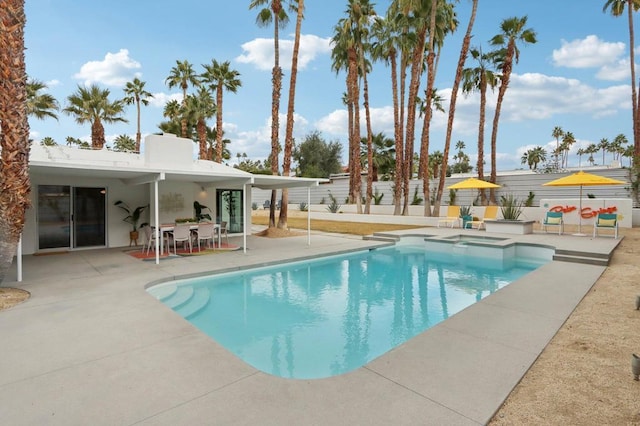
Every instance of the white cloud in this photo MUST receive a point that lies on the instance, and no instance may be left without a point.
(160, 99)
(115, 70)
(53, 83)
(260, 53)
(587, 53)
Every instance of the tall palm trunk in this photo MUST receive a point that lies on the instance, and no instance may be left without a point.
(138, 134)
(483, 108)
(15, 186)
(276, 82)
(354, 143)
(397, 134)
(466, 41)
(504, 83)
(370, 167)
(201, 129)
(414, 85)
(424, 145)
(97, 134)
(288, 139)
(634, 96)
(219, 132)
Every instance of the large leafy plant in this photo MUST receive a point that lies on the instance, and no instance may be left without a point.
(133, 215)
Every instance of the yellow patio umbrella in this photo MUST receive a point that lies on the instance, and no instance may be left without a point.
(583, 179)
(473, 183)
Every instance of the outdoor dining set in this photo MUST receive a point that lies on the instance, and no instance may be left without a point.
(186, 234)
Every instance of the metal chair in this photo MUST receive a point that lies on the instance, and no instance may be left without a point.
(554, 219)
(606, 221)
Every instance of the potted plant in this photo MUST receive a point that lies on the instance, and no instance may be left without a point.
(198, 209)
(465, 214)
(132, 218)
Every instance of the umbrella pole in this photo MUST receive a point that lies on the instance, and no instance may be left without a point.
(580, 212)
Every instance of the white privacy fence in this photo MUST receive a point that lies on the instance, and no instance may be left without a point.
(518, 183)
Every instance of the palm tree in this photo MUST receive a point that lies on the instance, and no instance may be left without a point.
(48, 141)
(604, 146)
(220, 76)
(92, 105)
(181, 76)
(581, 152)
(382, 158)
(273, 11)
(135, 93)
(446, 16)
(40, 105)
(557, 133)
(513, 31)
(387, 42)
(124, 143)
(617, 8)
(414, 17)
(14, 132)
(288, 138)
(200, 107)
(567, 140)
(534, 156)
(480, 78)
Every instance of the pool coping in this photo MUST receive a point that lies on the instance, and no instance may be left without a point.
(91, 339)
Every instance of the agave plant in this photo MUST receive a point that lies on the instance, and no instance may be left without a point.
(511, 207)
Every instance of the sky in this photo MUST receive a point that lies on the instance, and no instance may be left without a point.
(576, 76)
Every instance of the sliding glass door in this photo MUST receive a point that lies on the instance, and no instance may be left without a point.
(71, 217)
(229, 208)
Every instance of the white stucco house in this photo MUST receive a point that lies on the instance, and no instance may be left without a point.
(74, 191)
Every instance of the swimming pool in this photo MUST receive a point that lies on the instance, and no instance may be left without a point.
(328, 316)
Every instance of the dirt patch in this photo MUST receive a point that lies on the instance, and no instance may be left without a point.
(278, 233)
(10, 297)
(584, 375)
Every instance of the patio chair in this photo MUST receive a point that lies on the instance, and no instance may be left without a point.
(266, 204)
(224, 231)
(205, 232)
(606, 221)
(453, 216)
(149, 238)
(554, 219)
(490, 213)
(181, 234)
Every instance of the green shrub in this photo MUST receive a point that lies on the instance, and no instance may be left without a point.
(303, 207)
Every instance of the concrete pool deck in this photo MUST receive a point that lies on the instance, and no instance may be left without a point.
(92, 347)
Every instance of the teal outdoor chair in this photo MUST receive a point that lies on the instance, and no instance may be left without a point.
(606, 221)
(554, 219)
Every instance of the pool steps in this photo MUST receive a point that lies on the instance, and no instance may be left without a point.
(186, 301)
(179, 298)
(573, 256)
(195, 304)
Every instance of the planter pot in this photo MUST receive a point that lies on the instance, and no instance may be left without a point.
(502, 226)
(465, 220)
(133, 238)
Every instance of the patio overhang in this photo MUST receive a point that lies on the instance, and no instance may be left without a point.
(280, 182)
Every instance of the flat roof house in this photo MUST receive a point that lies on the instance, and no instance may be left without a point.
(74, 191)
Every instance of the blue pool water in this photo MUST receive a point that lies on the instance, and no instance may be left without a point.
(332, 315)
